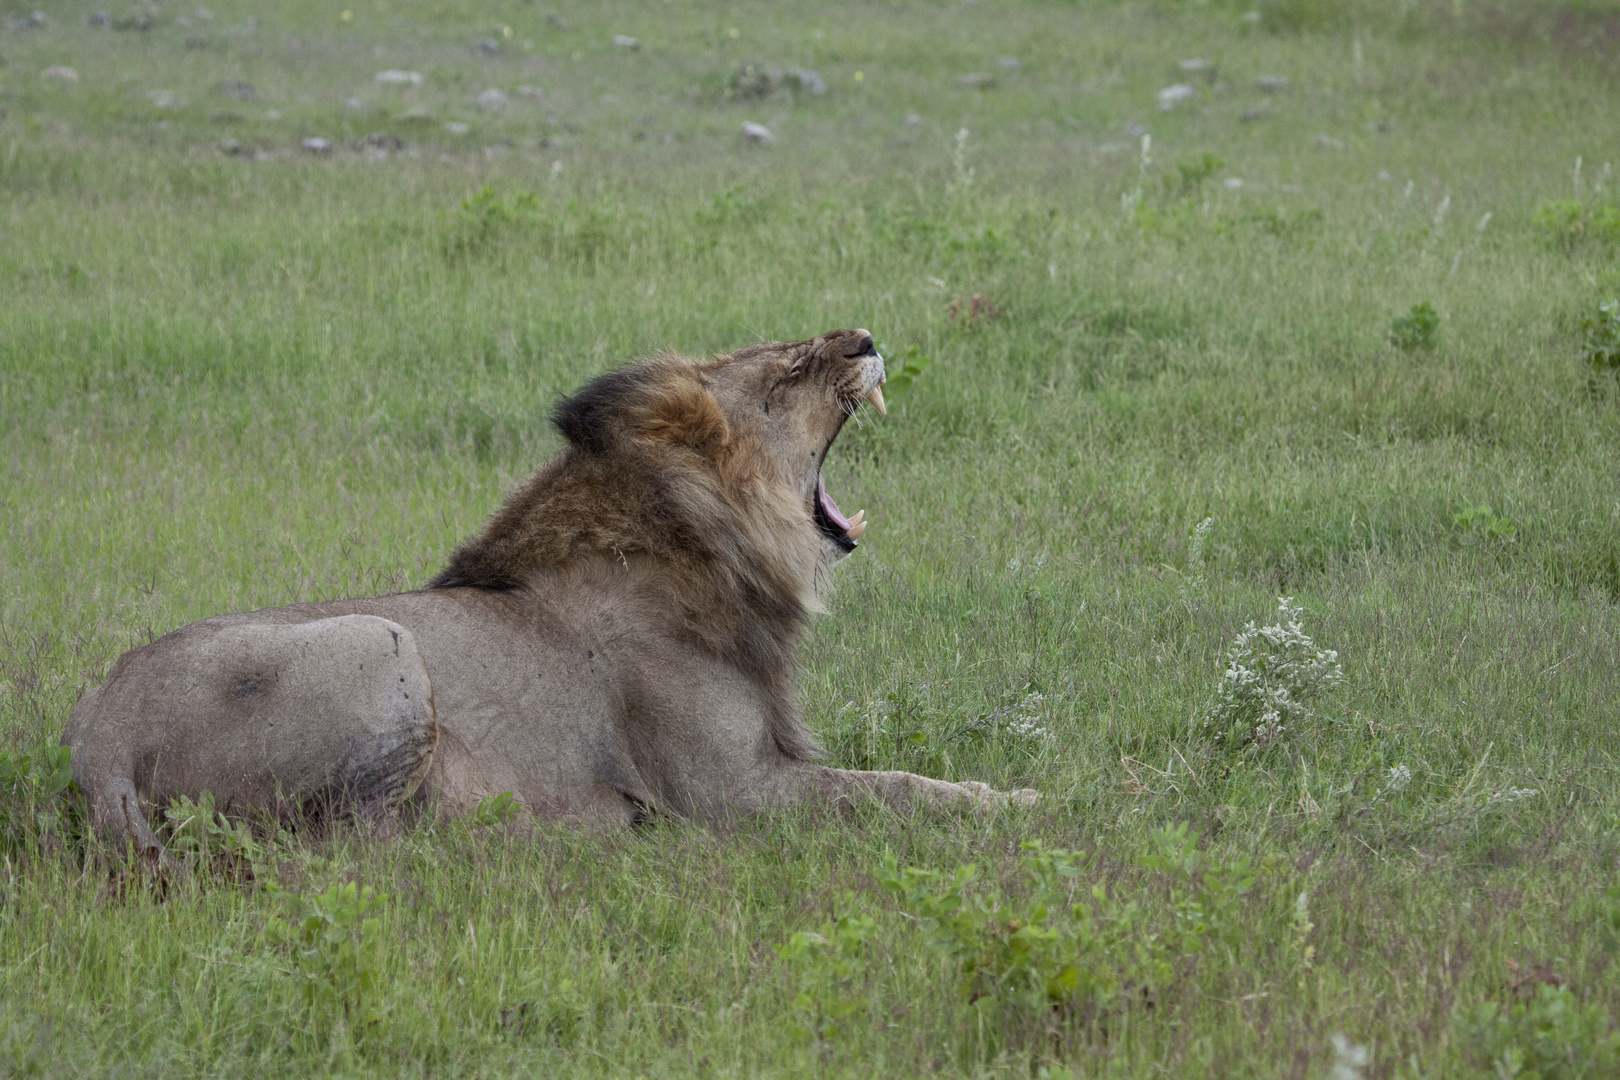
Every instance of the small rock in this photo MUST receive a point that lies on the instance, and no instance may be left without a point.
(100, 18)
(496, 151)
(531, 91)
(667, 138)
(756, 134)
(416, 114)
(379, 141)
(1205, 68)
(556, 20)
(457, 127)
(233, 148)
(808, 80)
(1385, 176)
(493, 100)
(395, 77)
(38, 18)
(488, 46)
(976, 80)
(1232, 183)
(197, 41)
(1271, 83)
(625, 41)
(1328, 142)
(1251, 16)
(204, 13)
(236, 88)
(1171, 96)
(57, 71)
(913, 118)
(316, 145)
(1008, 63)
(1135, 130)
(353, 104)
(272, 114)
(165, 99)
(1259, 112)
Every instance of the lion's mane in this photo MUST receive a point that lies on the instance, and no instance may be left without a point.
(655, 474)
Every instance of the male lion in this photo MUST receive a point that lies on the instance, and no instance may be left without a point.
(620, 640)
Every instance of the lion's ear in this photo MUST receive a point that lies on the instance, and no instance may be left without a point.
(656, 400)
(684, 413)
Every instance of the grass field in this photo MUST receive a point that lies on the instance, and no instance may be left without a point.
(236, 371)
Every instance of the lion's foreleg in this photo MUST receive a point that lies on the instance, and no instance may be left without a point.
(900, 790)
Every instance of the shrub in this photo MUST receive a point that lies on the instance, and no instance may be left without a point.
(35, 790)
(204, 839)
(829, 965)
(1601, 330)
(912, 366)
(1480, 525)
(1272, 675)
(1054, 952)
(1192, 172)
(486, 218)
(333, 938)
(1568, 222)
(1415, 330)
(499, 809)
(1549, 1037)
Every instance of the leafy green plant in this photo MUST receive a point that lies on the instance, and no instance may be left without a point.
(1481, 525)
(498, 809)
(333, 941)
(205, 839)
(1568, 222)
(1550, 1037)
(1193, 171)
(34, 793)
(912, 365)
(486, 217)
(1054, 951)
(1273, 673)
(1286, 224)
(829, 965)
(1601, 330)
(1416, 330)
(1609, 920)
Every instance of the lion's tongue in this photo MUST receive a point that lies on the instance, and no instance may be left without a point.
(829, 506)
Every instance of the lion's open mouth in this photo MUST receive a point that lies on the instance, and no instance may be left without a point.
(841, 530)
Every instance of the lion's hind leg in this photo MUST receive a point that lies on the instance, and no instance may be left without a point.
(335, 710)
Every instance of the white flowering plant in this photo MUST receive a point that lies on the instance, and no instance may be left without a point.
(1273, 674)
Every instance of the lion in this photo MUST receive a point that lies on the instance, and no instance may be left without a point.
(620, 641)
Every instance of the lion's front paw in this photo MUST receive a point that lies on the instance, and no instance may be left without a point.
(988, 798)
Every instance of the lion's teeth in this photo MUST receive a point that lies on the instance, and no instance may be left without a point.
(875, 396)
(857, 530)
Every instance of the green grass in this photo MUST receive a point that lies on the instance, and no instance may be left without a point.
(231, 380)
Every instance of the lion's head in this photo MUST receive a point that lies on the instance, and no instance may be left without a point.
(711, 465)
